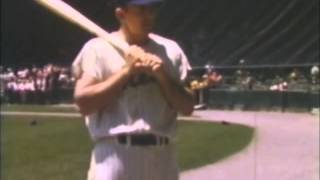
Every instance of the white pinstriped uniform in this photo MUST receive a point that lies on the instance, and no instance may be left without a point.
(140, 109)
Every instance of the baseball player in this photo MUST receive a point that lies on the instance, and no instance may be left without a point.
(130, 103)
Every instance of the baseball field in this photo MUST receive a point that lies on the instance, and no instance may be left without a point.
(58, 148)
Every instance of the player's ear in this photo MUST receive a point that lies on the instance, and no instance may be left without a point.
(119, 13)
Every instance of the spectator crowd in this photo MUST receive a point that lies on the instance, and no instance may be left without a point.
(35, 85)
(304, 79)
(52, 84)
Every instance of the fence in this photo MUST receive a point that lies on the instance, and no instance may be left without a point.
(255, 100)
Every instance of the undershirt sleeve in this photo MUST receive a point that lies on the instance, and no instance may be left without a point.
(182, 64)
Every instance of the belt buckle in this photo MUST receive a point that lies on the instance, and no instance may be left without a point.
(124, 139)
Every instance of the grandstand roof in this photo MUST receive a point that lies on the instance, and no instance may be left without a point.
(266, 32)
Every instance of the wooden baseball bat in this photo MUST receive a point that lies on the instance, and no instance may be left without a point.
(69, 13)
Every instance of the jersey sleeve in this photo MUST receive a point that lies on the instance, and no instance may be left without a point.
(87, 62)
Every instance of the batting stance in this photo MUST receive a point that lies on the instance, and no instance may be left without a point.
(130, 102)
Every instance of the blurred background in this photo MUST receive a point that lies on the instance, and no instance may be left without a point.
(257, 46)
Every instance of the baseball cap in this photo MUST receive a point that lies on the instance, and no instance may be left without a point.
(138, 2)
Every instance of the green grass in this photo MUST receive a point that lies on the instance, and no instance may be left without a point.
(54, 149)
(37, 108)
(201, 143)
(59, 148)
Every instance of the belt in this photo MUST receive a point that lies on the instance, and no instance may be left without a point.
(142, 139)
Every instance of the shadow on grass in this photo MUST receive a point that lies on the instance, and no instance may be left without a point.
(55, 148)
(201, 143)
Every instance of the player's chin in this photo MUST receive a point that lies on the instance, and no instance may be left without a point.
(147, 28)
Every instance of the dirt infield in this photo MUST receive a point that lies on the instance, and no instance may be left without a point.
(286, 148)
